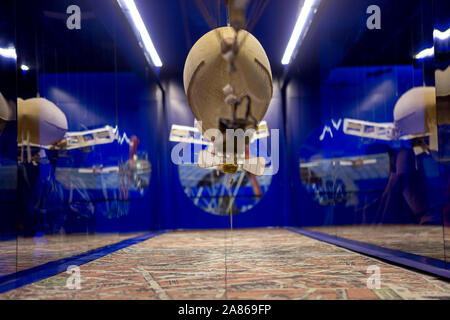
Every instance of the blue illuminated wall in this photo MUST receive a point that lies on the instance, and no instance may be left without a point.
(98, 99)
(90, 101)
(93, 100)
(8, 132)
(315, 131)
(178, 211)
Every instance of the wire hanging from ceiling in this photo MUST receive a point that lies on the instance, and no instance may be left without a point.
(206, 14)
(213, 16)
(259, 12)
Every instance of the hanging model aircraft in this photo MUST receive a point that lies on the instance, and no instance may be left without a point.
(414, 118)
(43, 126)
(228, 85)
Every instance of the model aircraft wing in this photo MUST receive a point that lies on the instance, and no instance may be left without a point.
(79, 139)
(90, 138)
(255, 165)
(366, 129)
(187, 134)
(262, 131)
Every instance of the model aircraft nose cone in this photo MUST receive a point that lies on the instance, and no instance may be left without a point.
(206, 74)
(41, 122)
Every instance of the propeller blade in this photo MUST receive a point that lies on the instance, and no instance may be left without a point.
(207, 160)
(255, 166)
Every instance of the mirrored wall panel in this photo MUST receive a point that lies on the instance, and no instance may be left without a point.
(372, 160)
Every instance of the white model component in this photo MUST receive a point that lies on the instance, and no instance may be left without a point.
(214, 157)
(357, 162)
(206, 75)
(90, 138)
(262, 131)
(99, 170)
(81, 139)
(7, 112)
(208, 160)
(414, 116)
(366, 129)
(40, 122)
(255, 166)
(187, 134)
(415, 113)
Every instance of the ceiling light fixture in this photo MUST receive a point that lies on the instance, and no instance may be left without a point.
(426, 53)
(9, 53)
(132, 13)
(441, 35)
(301, 27)
(429, 52)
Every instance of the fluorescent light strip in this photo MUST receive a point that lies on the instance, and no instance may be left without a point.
(299, 29)
(429, 52)
(442, 35)
(132, 12)
(9, 53)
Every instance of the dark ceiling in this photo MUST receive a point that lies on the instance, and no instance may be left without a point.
(175, 25)
(338, 34)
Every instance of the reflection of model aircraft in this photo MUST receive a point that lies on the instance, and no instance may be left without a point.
(334, 180)
(414, 117)
(211, 190)
(7, 112)
(228, 84)
(210, 158)
(414, 120)
(100, 177)
(42, 125)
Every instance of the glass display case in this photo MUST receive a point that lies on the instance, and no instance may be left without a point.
(359, 121)
(76, 151)
(372, 159)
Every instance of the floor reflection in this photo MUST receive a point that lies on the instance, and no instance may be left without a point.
(426, 241)
(36, 251)
(8, 254)
(239, 264)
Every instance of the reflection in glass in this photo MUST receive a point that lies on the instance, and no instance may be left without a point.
(375, 160)
(8, 141)
(219, 193)
(80, 170)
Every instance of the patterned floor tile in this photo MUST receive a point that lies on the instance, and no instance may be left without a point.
(240, 264)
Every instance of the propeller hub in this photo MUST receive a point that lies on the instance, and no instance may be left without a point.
(229, 168)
